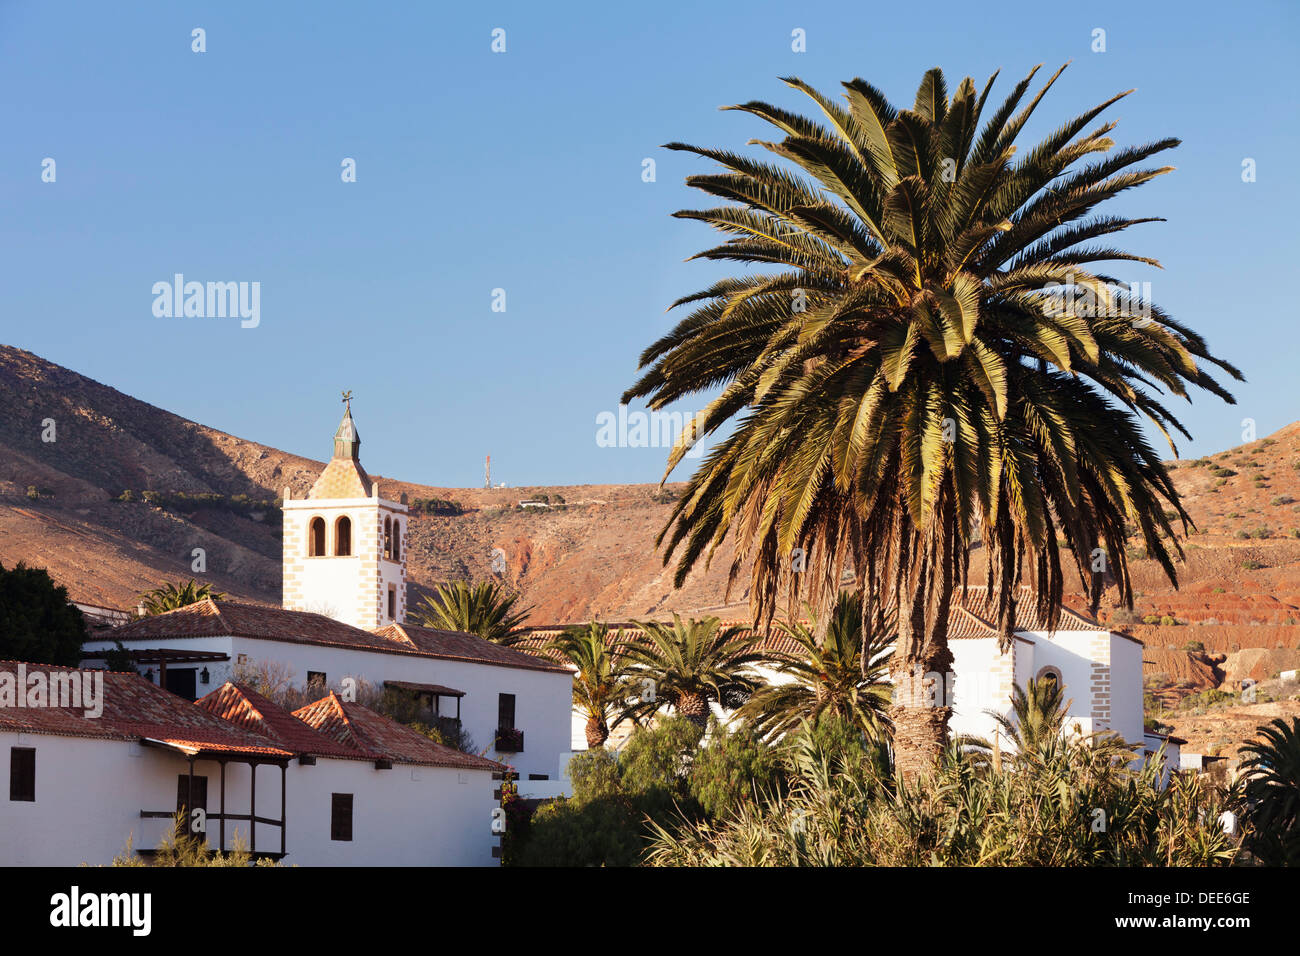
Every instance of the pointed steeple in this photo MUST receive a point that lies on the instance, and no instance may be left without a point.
(347, 443)
(344, 477)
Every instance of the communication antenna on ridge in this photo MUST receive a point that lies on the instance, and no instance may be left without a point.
(487, 473)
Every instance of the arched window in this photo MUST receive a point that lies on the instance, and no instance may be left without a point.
(397, 540)
(388, 538)
(316, 538)
(1050, 675)
(343, 536)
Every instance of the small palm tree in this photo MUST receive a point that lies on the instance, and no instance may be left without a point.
(601, 684)
(171, 596)
(1273, 792)
(835, 676)
(486, 609)
(1037, 717)
(690, 664)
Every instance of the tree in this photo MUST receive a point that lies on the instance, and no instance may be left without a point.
(600, 686)
(689, 664)
(932, 364)
(828, 677)
(171, 596)
(1272, 766)
(486, 609)
(37, 622)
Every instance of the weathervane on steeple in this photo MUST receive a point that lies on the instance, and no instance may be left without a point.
(347, 443)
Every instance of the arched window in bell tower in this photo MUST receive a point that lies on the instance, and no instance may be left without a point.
(343, 536)
(397, 540)
(388, 538)
(316, 538)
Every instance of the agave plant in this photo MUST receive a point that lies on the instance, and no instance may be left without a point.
(931, 354)
(169, 596)
(688, 664)
(486, 609)
(831, 676)
(1272, 766)
(600, 685)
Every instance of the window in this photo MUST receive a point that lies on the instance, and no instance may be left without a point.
(341, 816)
(397, 541)
(505, 711)
(1050, 675)
(316, 538)
(316, 677)
(22, 774)
(343, 536)
(388, 538)
(539, 776)
(392, 602)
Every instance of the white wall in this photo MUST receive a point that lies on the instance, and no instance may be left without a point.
(543, 699)
(89, 794)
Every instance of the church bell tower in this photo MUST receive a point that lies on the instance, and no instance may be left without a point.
(344, 544)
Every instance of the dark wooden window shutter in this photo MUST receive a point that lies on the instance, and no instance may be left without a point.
(22, 774)
(341, 816)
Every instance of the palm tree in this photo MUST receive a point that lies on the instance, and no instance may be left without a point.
(828, 676)
(486, 609)
(1273, 792)
(600, 685)
(1037, 717)
(170, 596)
(688, 665)
(929, 362)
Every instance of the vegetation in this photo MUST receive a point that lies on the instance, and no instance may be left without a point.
(687, 665)
(170, 596)
(486, 609)
(601, 685)
(437, 506)
(828, 677)
(179, 848)
(38, 623)
(1273, 792)
(931, 360)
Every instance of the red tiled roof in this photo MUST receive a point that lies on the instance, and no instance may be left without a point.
(453, 645)
(363, 731)
(210, 618)
(247, 708)
(135, 709)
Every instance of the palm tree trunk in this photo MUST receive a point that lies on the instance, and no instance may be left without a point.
(695, 708)
(922, 672)
(597, 732)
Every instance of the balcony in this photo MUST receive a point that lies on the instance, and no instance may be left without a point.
(510, 740)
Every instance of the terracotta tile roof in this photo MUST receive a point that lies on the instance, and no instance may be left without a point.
(342, 478)
(363, 731)
(134, 709)
(453, 645)
(976, 599)
(210, 618)
(246, 708)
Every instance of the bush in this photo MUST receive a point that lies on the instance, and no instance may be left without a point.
(1193, 647)
(1251, 566)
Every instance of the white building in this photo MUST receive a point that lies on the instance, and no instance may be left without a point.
(344, 616)
(333, 784)
(1100, 670)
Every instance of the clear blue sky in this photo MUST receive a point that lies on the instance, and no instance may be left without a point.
(522, 171)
